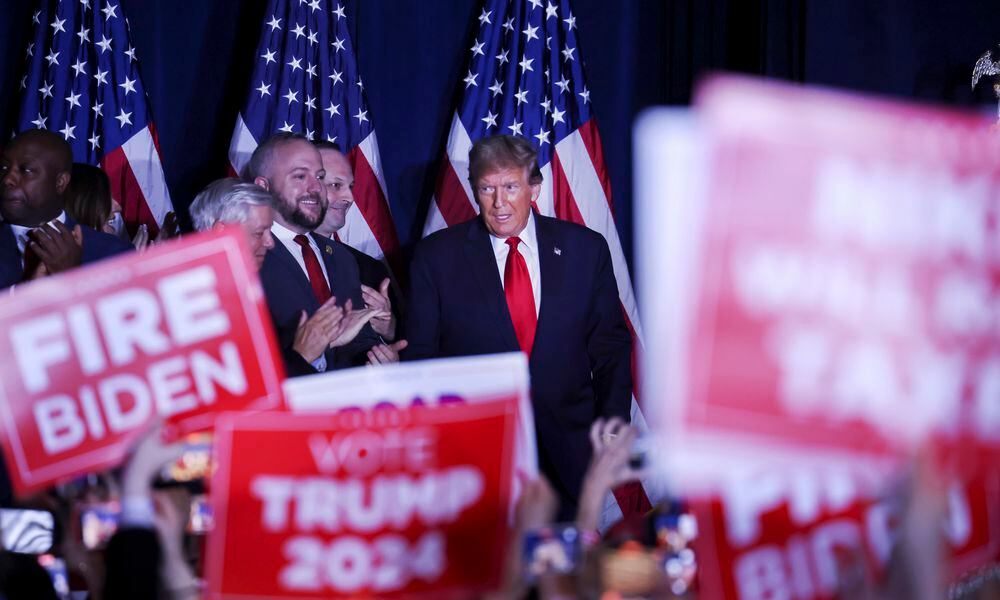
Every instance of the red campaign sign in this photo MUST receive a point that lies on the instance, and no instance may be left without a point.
(441, 381)
(395, 503)
(828, 270)
(822, 295)
(765, 540)
(92, 356)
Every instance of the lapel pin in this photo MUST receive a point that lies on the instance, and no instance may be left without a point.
(557, 251)
(329, 250)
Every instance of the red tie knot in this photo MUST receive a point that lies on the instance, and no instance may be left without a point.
(301, 240)
(513, 242)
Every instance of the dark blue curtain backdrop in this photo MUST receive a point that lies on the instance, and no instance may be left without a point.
(195, 57)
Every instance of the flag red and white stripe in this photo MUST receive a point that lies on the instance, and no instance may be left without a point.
(97, 103)
(137, 180)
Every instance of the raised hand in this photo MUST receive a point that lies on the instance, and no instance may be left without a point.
(169, 228)
(148, 457)
(379, 299)
(315, 334)
(59, 248)
(384, 354)
(609, 467)
(141, 239)
(39, 272)
(354, 320)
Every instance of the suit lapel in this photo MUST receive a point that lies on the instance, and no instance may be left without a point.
(552, 270)
(326, 257)
(288, 262)
(10, 257)
(483, 265)
(325, 246)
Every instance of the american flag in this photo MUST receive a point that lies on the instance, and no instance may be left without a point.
(525, 77)
(83, 82)
(306, 80)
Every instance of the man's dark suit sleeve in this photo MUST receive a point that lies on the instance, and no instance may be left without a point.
(609, 343)
(133, 565)
(98, 245)
(295, 365)
(423, 311)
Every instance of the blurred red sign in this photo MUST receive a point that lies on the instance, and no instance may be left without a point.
(821, 279)
(829, 278)
(388, 503)
(787, 535)
(437, 382)
(92, 356)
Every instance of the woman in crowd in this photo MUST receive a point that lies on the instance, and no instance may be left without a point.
(89, 201)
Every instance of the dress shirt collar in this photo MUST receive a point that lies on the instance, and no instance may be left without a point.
(21, 232)
(285, 234)
(529, 238)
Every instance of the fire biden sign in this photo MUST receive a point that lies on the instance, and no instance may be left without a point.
(93, 356)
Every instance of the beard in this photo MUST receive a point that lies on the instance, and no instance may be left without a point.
(291, 212)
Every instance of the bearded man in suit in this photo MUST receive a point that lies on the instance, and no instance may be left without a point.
(305, 274)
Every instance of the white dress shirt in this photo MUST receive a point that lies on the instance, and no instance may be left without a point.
(287, 237)
(21, 233)
(529, 250)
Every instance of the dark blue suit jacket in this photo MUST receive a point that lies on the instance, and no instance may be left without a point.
(581, 361)
(288, 293)
(97, 245)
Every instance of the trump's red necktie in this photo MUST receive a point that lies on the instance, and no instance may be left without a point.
(316, 279)
(520, 298)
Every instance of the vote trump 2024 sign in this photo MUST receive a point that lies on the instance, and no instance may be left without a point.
(397, 502)
(436, 382)
(91, 357)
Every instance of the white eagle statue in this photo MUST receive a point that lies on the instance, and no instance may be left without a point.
(985, 67)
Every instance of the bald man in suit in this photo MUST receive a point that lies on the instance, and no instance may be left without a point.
(305, 274)
(37, 237)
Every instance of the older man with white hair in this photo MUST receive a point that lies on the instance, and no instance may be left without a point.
(232, 201)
